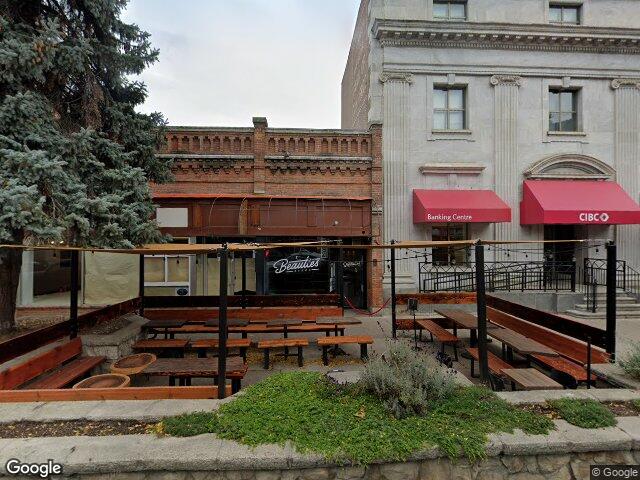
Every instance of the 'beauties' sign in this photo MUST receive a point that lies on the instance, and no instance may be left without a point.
(306, 264)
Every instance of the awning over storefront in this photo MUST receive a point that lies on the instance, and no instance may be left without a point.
(575, 202)
(459, 206)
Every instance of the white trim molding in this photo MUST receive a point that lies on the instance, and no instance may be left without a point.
(570, 166)
(467, 168)
(625, 82)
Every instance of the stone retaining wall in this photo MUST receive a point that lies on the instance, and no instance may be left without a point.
(114, 345)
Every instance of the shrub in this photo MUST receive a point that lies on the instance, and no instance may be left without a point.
(584, 413)
(630, 362)
(407, 382)
(190, 424)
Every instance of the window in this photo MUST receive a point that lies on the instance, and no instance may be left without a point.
(167, 270)
(564, 14)
(450, 255)
(449, 108)
(563, 110)
(449, 10)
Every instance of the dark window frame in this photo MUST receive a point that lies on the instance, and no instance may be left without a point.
(448, 110)
(564, 7)
(453, 255)
(575, 109)
(449, 18)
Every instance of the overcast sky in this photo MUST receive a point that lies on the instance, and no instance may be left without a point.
(223, 62)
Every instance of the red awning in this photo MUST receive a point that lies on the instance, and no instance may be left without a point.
(459, 206)
(575, 202)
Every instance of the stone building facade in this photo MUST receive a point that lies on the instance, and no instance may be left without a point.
(507, 96)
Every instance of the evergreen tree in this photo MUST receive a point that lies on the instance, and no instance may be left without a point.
(75, 156)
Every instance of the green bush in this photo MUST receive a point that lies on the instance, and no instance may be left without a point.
(630, 362)
(407, 382)
(584, 413)
(309, 412)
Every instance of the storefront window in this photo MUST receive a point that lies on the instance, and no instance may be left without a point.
(453, 255)
(299, 270)
(167, 270)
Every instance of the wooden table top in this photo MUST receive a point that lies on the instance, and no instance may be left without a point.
(521, 343)
(202, 367)
(462, 318)
(282, 322)
(531, 379)
(165, 323)
(337, 321)
(231, 322)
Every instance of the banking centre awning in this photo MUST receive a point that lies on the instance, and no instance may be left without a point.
(574, 202)
(459, 206)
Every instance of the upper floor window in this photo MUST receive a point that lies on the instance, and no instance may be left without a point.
(563, 110)
(564, 14)
(451, 10)
(449, 108)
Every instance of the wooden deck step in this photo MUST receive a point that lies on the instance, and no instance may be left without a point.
(66, 374)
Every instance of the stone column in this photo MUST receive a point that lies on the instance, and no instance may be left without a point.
(507, 177)
(627, 155)
(397, 215)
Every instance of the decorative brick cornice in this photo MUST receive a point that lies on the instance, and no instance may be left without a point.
(625, 82)
(507, 36)
(211, 164)
(514, 80)
(401, 77)
(319, 165)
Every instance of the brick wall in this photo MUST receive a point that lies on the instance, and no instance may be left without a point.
(262, 161)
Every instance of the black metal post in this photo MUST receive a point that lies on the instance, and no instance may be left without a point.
(481, 302)
(222, 323)
(394, 325)
(611, 299)
(244, 282)
(340, 277)
(588, 362)
(141, 286)
(73, 294)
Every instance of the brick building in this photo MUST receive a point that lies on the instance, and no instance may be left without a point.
(273, 185)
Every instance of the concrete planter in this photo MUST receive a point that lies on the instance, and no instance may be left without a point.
(114, 345)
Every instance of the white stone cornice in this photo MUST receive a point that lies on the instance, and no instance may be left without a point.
(514, 80)
(625, 82)
(403, 77)
(506, 36)
(452, 168)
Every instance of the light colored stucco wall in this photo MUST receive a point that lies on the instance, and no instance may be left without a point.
(609, 113)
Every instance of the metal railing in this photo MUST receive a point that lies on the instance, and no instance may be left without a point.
(595, 275)
(500, 276)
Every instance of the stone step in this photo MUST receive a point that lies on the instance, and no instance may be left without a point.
(599, 315)
(630, 307)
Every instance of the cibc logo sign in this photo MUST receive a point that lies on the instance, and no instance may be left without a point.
(594, 217)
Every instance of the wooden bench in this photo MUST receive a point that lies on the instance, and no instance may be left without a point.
(267, 345)
(577, 372)
(570, 348)
(54, 369)
(496, 364)
(212, 343)
(443, 336)
(256, 328)
(175, 347)
(362, 340)
(530, 379)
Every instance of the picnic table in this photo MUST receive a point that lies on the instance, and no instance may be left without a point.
(231, 322)
(285, 323)
(163, 324)
(465, 320)
(516, 341)
(530, 379)
(337, 322)
(184, 369)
